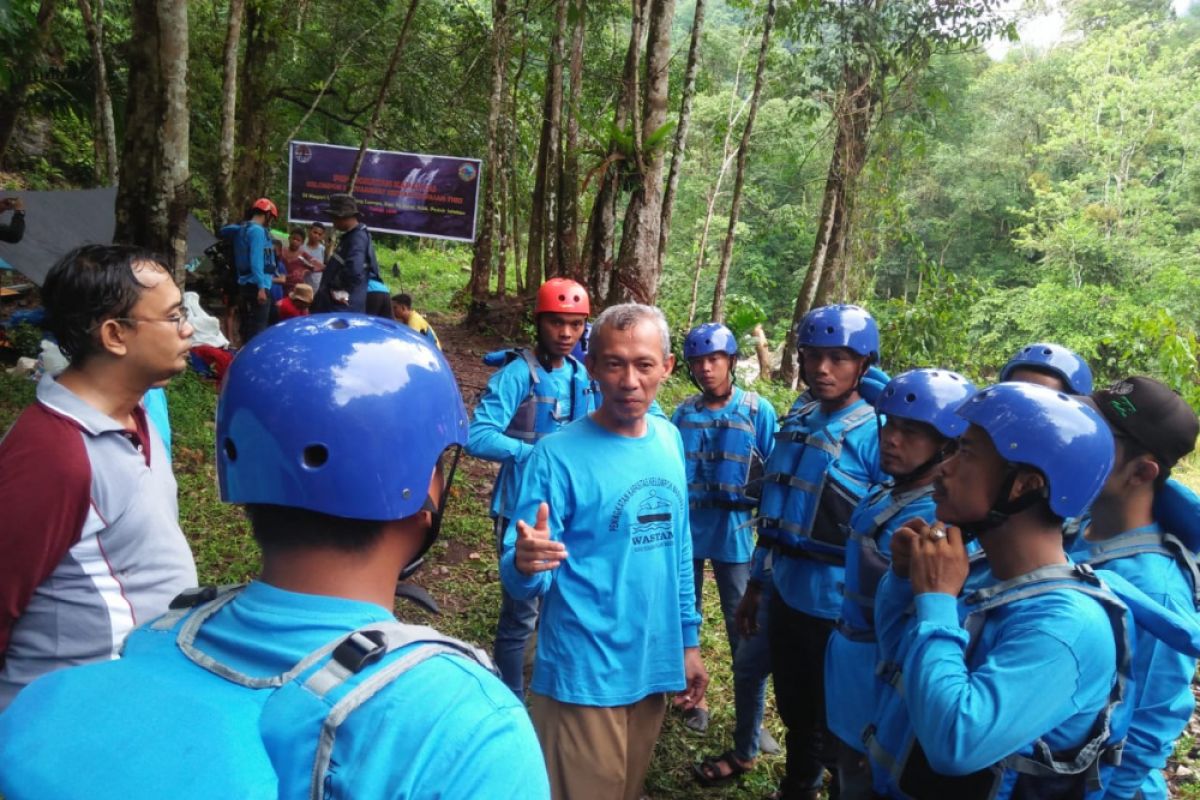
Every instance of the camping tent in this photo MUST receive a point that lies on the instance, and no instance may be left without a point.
(59, 221)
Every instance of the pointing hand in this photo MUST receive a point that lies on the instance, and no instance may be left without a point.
(536, 552)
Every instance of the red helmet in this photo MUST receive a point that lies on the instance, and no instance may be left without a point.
(264, 204)
(562, 296)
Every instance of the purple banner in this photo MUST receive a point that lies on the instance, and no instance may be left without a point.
(407, 193)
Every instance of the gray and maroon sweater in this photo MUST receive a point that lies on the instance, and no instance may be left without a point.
(90, 544)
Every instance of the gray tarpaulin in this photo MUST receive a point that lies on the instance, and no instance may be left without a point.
(58, 221)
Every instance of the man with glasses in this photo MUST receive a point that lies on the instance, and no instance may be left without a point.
(90, 543)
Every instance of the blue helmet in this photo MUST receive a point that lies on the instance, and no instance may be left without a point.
(840, 326)
(1069, 442)
(1054, 358)
(711, 337)
(930, 396)
(343, 414)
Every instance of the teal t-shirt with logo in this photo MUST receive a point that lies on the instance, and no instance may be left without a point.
(617, 614)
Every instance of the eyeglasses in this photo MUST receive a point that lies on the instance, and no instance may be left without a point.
(178, 319)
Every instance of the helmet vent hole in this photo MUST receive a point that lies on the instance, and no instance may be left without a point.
(315, 456)
(230, 449)
(339, 324)
(562, 298)
(910, 398)
(829, 329)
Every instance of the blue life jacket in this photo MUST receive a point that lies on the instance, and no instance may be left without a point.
(258, 738)
(723, 459)
(801, 475)
(1034, 772)
(539, 415)
(865, 563)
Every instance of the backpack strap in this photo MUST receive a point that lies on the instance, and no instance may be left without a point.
(1154, 542)
(899, 503)
(530, 361)
(187, 600)
(359, 653)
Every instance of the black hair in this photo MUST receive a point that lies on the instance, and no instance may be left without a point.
(284, 528)
(91, 284)
(402, 299)
(297, 231)
(251, 211)
(320, 226)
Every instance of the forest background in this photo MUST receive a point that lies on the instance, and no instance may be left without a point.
(732, 159)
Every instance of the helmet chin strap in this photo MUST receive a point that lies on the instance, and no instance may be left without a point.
(710, 395)
(921, 470)
(1003, 508)
(862, 373)
(436, 511)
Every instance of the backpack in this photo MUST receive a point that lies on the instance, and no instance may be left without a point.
(224, 264)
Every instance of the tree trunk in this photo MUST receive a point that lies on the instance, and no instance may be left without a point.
(727, 155)
(226, 210)
(24, 75)
(541, 213)
(679, 147)
(739, 175)
(512, 145)
(602, 223)
(853, 117)
(502, 220)
(637, 260)
(105, 165)
(152, 197)
(567, 239)
(713, 192)
(481, 263)
(384, 85)
(254, 93)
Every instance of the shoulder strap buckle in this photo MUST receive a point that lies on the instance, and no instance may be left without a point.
(190, 598)
(361, 649)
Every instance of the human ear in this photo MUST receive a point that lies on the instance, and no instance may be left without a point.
(114, 337)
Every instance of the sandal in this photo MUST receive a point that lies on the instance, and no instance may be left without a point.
(710, 771)
(696, 720)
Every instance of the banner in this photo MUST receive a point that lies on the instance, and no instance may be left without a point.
(407, 193)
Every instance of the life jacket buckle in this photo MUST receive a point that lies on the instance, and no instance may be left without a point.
(360, 649)
(190, 598)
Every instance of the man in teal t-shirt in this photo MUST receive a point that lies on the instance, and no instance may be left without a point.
(610, 554)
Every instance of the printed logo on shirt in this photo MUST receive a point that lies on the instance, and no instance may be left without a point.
(655, 503)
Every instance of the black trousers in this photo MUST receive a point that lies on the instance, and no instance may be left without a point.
(252, 315)
(797, 641)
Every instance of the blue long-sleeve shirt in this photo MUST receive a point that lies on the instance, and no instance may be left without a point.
(1042, 668)
(447, 728)
(1161, 695)
(249, 253)
(486, 438)
(851, 688)
(618, 612)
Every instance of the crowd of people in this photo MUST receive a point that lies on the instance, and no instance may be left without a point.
(272, 281)
(959, 591)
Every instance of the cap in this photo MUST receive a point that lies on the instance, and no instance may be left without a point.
(342, 205)
(1152, 414)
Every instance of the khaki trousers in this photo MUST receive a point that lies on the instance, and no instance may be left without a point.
(597, 753)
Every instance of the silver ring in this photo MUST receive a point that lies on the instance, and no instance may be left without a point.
(937, 534)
